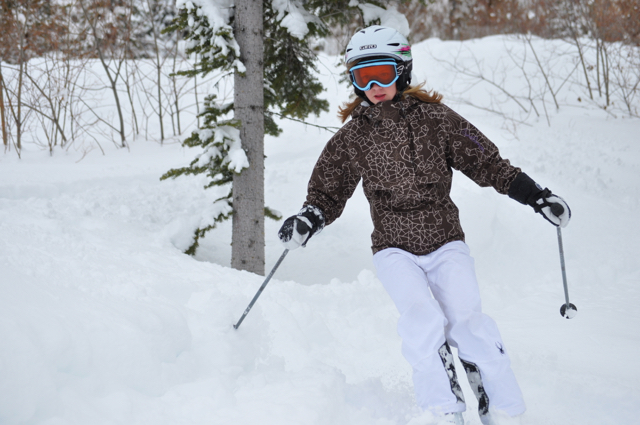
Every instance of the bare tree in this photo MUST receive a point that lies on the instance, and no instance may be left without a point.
(110, 30)
(47, 86)
(625, 74)
(151, 14)
(21, 14)
(3, 120)
(608, 31)
(27, 29)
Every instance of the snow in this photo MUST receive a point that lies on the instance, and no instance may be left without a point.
(104, 321)
(296, 19)
(218, 14)
(236, 156)
(389, 17)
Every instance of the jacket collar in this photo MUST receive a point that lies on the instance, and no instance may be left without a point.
(392, 109)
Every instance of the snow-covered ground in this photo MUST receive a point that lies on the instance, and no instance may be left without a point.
(104, 321)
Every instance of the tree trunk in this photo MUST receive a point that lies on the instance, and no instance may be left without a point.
(5, 136)
(158, 64)
(247, 251)
(19, 100)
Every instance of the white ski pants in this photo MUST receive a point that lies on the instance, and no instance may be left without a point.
(438, 298)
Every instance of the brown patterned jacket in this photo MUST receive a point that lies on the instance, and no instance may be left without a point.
(404, 152)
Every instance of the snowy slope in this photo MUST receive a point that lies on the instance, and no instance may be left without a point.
(104, 321)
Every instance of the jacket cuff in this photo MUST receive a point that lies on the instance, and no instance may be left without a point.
(315, 216)
(524, 190)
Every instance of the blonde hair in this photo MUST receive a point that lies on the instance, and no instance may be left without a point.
(416, 92)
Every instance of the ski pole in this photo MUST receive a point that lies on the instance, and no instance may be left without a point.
(567, 310)
(264, 284)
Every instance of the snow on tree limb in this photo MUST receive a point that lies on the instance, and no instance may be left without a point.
(389, 17)
(218, 32)
(294, 17)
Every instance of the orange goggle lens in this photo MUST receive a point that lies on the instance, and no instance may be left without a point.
(383, 74)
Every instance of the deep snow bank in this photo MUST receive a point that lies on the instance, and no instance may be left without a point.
(104, 320)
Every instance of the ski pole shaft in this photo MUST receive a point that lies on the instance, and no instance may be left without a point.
(564, 270)
(567, 310)
(264, 284)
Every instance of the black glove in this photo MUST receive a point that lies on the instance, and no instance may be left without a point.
(552, 207)
(297, 229)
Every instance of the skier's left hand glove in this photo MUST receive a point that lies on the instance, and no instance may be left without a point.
(552, 207)
(297, 229)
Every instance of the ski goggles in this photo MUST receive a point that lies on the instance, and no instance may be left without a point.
(383, 73)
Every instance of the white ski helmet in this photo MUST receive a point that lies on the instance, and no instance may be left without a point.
(378, 41)
(381, 42)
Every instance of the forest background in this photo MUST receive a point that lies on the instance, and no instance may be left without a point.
(58, 55)
(76, 74)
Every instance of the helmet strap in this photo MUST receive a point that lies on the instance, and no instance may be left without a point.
(405, 77)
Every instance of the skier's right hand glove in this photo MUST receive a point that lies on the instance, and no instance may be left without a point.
(552, 207)
(297, 229)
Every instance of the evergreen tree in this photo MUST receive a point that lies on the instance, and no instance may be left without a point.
(290, 86)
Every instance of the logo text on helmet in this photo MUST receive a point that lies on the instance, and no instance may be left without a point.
(368, 46)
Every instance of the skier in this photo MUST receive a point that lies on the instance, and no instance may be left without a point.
(402, 142)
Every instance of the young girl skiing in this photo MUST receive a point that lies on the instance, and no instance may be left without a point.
(403, 144)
